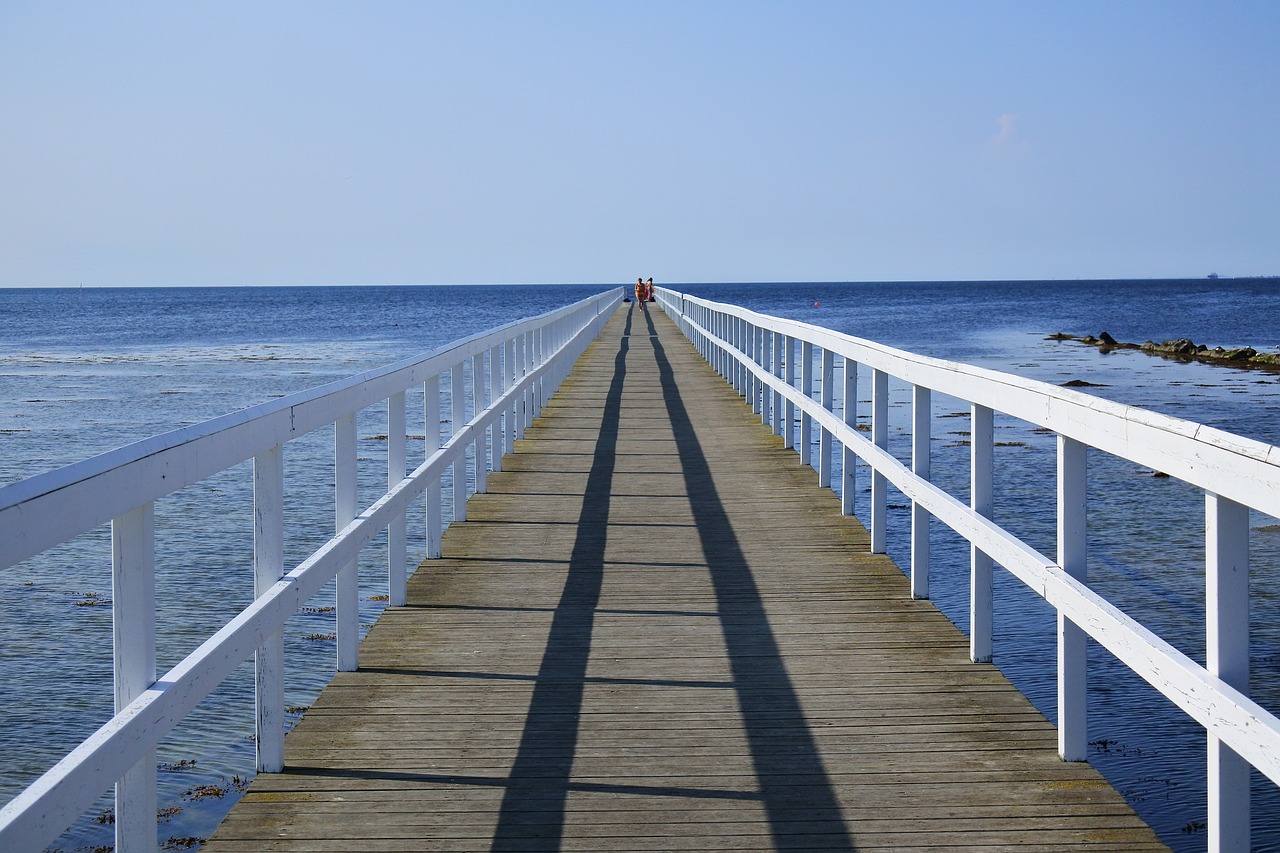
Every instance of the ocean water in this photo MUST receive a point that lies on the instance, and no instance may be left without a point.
(82, 372)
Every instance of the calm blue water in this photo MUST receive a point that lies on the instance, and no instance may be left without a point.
(82, 372)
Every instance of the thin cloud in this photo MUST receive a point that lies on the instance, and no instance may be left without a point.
(1008, 134)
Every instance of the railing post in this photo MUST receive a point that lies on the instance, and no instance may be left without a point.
(726, 361)
(735, 339)
(510, 374)
(1227, 656)
(133, 611)
(766, 363)
(848, 459)
(551, 341)
(779, 353)
(806, 388)
(517, 402)
(527, 363)
(531, 364)
(921, 435)
(540, 395)
(397, 530)
(431, 436)
(458, 419)
(880, 438)
(548, 347)
(739, 343)
(982, 467)
(268, 568)
(491, 396)
(826, 380)
(753, 350)
(526, 410)
(344, 512)
(727, 328)
(1073, 691)
(711, 322)
(479, 402)
(707, 320)
(789, 408)
(562, 332)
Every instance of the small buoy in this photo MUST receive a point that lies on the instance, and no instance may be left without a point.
(815, 305)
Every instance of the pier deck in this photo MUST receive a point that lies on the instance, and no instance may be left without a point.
(655, 633)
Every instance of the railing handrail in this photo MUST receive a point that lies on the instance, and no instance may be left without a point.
(56, 499)
(123, 482)
(1244, 469)
(1236, 473)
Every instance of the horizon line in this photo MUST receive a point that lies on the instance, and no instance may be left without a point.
(1205, 278)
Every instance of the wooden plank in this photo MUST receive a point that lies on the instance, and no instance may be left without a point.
(655, 633)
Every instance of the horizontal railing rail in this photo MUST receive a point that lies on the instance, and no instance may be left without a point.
(507, 374)
(759, 355)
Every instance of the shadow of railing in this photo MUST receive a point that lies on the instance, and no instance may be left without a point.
(793, 786)
(532, 813)
(783, 751)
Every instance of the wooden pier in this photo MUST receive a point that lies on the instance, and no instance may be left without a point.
(654, 632)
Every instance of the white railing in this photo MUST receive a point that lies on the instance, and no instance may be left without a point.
(757, 354)
(507, 374)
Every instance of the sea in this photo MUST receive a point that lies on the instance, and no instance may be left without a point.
(84, 371)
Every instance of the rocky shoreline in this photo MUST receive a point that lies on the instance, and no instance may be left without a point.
(1183, 349)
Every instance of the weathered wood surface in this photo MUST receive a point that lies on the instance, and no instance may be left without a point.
(655, 633)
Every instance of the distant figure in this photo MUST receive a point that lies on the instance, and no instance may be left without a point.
(648, 290)
(640, 291)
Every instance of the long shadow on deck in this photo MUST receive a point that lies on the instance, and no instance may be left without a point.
(795, 789)
(532, 813)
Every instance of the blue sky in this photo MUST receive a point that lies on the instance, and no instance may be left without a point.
(297, 143)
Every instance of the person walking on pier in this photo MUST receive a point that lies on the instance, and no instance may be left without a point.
(648, 290)
(640, 292)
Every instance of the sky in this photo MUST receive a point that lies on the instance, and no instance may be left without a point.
(485, 142)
